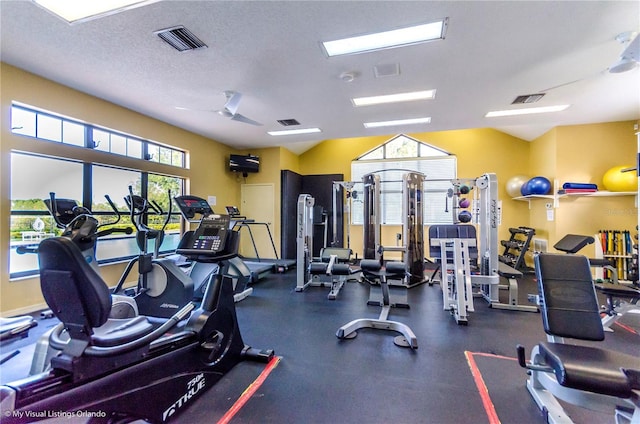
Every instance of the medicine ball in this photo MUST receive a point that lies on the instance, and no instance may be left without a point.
(464, 216)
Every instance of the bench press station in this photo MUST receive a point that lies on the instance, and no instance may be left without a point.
(455, 247)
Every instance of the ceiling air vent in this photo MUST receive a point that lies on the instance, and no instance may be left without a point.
(386, 70)
(180, 38)
(288, 122)
(527, 98)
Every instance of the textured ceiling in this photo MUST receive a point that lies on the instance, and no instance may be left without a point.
(270, 52)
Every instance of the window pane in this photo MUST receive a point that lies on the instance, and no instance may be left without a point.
(118, 144)
(165, 156)
(49, 128)
(23, 122)
(401, 147)
(158, 191)
(177, 158)
(101, 140)
(376, 154)
(134, 148)
(153, 152)
(73, 133)
(435, 192)
(32, 178)
(115, 183)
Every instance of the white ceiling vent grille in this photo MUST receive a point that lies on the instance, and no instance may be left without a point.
(180, 38)
(386, 70)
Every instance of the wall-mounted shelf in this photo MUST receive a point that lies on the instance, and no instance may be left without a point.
(556, 197)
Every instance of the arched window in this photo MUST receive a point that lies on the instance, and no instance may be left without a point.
(394, 158)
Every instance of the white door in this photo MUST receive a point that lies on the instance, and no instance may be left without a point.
(257, 202)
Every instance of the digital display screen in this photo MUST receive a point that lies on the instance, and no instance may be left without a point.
(210, 232)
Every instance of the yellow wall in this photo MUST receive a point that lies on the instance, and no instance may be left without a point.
(17, 85)
(583, 153)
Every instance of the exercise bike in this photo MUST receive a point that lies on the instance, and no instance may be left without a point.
(128, 369)
(162, 287)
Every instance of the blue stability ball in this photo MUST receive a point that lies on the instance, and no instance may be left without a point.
(538, 185)
(525, 189)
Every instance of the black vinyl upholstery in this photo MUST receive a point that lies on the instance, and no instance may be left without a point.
(572, 243)
(570, 309)
(590, 368)
(80, 299)
(568, 300)
(76, 294)
(451, 232)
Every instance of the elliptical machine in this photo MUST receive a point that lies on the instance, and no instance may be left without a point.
(162, 288)
(84, 230)
(129, 369)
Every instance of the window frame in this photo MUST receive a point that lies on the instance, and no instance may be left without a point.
(86, 201)
(435, 187)
(177, 157)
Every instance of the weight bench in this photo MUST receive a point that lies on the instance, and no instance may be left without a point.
(613, 291)
(333, 270)
(586, 376)
(372, 268)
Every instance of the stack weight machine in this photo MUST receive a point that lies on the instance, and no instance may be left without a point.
(469, 260)
(333, 269)
(412, 225)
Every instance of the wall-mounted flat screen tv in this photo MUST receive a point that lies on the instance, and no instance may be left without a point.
(244, 163)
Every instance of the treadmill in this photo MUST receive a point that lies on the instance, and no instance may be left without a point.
(274, 264)
(192, 206)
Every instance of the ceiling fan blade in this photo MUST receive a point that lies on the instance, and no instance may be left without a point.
(233, 101)
(632, 51)
(560, 85)
(245, 120)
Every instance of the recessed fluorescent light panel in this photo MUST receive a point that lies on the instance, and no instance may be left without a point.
(387, 39)
(294, 132)
(397, 122)
(74, 11)
(526, 111)
(394, 98)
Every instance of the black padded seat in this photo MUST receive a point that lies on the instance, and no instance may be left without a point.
(120, 331)
(572, 243)
(343, 269)
(506, 271)
(390, 270)
(589, 368)
(338, 267)
(318, 268)
(80, 298)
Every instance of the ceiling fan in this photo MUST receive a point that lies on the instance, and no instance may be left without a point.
(230, 109)
(628, 60)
